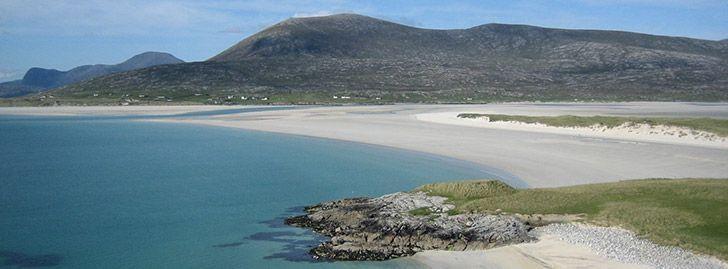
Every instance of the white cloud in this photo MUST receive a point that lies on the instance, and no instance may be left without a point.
(319, 13)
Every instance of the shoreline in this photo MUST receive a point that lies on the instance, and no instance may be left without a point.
(539, 159)
(567, 246)
(417, 226)
(548, 252)
(112, 110)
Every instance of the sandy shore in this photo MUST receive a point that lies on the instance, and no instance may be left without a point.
(548, 252)
(529, 158)
(537, 159)
(572, 246)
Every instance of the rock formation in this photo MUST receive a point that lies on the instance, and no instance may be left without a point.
(402, 224)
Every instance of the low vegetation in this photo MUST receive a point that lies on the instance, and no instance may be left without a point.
(422, 211)
(715, 126)
(689, 213)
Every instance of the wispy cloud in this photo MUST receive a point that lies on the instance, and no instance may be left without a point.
(10, 74)
(658, 3)
(100, 17)
(319, 13)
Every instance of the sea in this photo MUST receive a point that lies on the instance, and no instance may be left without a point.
(120, 192)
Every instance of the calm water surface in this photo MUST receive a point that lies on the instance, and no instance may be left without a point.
(115, 193)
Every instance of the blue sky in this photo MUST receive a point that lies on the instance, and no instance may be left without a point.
(63, 34)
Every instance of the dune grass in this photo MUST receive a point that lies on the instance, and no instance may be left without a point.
(689, 213)
(715, 126)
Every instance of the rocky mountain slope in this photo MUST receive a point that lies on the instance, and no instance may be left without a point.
(40, 79)
(314, 59)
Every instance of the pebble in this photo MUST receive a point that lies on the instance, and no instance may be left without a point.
(624, 246)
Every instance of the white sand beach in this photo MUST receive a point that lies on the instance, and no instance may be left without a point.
(538, 159)
(531, 157)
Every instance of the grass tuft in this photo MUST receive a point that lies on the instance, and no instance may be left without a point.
(422, 211)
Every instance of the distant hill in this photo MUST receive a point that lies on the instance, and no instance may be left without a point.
(371, 60)
(41, 79)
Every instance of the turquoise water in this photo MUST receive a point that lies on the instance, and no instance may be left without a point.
(116, 193)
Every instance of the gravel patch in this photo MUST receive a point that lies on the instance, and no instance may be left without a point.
(623, 246)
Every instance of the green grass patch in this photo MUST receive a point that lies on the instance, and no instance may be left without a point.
(422, 211)
(690, 213)
(715, 126)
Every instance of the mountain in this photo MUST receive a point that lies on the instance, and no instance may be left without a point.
(41, 79)
(367, 59)
(349, 35)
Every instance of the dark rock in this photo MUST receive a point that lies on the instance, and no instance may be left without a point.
(382, 228)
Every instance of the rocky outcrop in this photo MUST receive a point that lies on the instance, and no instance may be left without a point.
(402, 224)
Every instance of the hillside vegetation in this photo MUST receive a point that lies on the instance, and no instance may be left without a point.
(690, 213)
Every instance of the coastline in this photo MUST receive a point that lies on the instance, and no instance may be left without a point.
(548, 252)
(567, 246)
(110, 110)
(540, 159)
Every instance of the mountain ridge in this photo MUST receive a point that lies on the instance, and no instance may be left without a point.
(310, 60)
(313, 36)
(38, 79)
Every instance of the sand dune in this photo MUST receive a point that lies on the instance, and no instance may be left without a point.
(637, 132)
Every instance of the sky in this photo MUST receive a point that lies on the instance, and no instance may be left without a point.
(63, 34)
